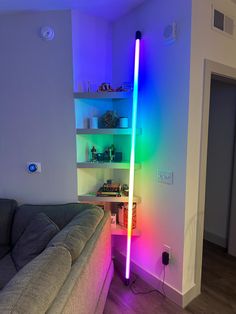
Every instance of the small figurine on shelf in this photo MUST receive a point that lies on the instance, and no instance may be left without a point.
(125, 189)
(105, 87)
(111, 150)
(109, 119)
(94, 155)
(110, 189)
(113, 220)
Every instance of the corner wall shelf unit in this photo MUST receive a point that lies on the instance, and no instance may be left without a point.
(92, 198)
(107, 165)
(121, 231)
(126, 131)
(102, 95)
(91, 175)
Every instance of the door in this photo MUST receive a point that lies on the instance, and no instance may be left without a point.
(220, 163)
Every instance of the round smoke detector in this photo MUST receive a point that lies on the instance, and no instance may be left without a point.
(47, 33)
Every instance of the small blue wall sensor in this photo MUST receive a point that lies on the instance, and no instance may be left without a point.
(34, 167)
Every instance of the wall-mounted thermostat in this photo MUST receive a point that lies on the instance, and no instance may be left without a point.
(34, 167)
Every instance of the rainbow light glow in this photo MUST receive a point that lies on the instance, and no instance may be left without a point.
(132, 154)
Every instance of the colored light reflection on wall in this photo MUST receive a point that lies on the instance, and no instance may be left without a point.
(132, 155)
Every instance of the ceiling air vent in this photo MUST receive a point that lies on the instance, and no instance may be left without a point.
(222, 22)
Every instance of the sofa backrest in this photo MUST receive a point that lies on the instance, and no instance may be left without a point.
(76, 234)
(7, 210)
(60, 214)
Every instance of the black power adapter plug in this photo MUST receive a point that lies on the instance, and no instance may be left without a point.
(165, 258)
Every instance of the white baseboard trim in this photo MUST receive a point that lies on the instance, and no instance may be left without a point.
(190, 295)
(171, 293)
(214, 238)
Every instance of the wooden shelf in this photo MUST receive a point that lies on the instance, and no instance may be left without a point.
(92, 198)
(106, 165)
(121, 231)
(126, 131)
(102, 95)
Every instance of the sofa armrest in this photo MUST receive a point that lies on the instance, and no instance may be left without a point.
(34, 287)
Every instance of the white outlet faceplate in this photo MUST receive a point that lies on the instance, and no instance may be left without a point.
(165, 177)
(167, 248)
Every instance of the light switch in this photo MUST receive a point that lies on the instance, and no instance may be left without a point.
(165, 177)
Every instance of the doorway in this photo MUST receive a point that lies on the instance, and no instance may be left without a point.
(220, 164)
(226, 73)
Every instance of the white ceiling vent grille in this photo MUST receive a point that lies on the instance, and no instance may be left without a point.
(223, 23)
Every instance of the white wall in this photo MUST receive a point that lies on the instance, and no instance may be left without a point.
(163, 114)
(36, 108)
(206, 44)
(92, 44)
(220, 161)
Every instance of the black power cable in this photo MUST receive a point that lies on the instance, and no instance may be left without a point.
(138, 292)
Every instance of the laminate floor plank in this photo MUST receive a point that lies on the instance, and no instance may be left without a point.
(218, 290)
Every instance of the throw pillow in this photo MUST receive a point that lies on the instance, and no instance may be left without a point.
(34, 239)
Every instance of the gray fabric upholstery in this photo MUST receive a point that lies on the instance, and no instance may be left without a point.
(34, 239)
(83, 287)
(48, 284)
(103, 296)
(34, 287)
(7, 270)
(7, 210)
(60, 214)
(4, 249)
(76, 234)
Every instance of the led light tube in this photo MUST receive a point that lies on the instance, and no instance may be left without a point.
(132, 155)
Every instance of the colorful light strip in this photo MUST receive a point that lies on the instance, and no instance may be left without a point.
(132, 155)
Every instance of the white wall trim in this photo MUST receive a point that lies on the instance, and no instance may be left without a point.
(171, 293)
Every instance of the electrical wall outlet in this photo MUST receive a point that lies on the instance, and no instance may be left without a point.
(167, 248)
(165, 177)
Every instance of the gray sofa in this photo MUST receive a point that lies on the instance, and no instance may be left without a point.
(71, 274)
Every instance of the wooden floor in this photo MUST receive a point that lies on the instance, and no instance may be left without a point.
(218, 290)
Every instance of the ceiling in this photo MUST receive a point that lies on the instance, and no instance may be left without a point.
(108, 9)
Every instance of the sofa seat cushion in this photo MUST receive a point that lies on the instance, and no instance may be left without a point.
(35, 286)
(76, 234)
(34, 239)
(7, 270)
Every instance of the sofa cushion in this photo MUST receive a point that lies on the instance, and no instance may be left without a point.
(7, 210)
(34, 287)
(34, 239)
(75, 235)
(7, 270)
(60, 214)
